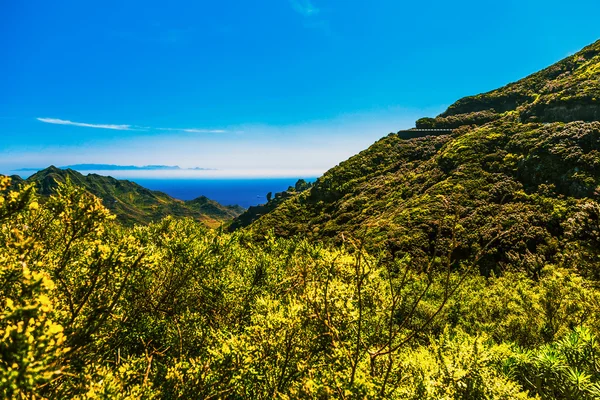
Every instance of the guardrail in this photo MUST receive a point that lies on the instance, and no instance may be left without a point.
(417, 133)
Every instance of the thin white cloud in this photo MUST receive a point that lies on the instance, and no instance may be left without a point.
(204, 130)
(57, 121)
(304, 7)
(192, 130)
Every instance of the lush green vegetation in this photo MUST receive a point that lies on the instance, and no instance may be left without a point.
(253, 213)
(92, 309)
(514, 185)
(132, 203)
(463, 266)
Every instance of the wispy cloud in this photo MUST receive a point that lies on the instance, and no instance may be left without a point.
(304, 7)
(57, 121)
(313, 17)
(204, 130)
(192, 130)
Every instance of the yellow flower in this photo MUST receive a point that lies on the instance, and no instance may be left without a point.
(225, 349)
(55, 328)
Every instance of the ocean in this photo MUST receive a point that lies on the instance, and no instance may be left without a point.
(243, 192)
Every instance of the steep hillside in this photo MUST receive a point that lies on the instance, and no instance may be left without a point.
(253, 213)
(132, 203)
(515, 185)
(210, 207)
(564, 92)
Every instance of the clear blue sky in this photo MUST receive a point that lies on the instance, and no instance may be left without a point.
(270, 87)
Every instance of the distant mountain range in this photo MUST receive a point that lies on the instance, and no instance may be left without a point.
(130, 202)
(115, 167)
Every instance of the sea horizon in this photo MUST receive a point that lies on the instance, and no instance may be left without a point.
(244, 192)
(228, 190)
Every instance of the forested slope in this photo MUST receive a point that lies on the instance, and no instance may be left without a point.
(521, 166)
(132, 203)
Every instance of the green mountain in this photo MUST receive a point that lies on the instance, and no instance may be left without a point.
(132, 203)
(254, 212)
(519, 174)
(460, 260)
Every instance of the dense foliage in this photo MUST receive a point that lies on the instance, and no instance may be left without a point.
(92, 309)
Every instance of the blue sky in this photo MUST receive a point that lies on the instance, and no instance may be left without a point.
(270, 87)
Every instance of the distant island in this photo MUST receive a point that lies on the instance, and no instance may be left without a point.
(115, 167)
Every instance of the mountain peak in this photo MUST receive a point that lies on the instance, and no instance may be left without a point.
(130, 202)
(564, 92)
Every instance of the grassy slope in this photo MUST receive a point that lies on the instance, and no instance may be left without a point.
(132, 203)
(523, 164)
